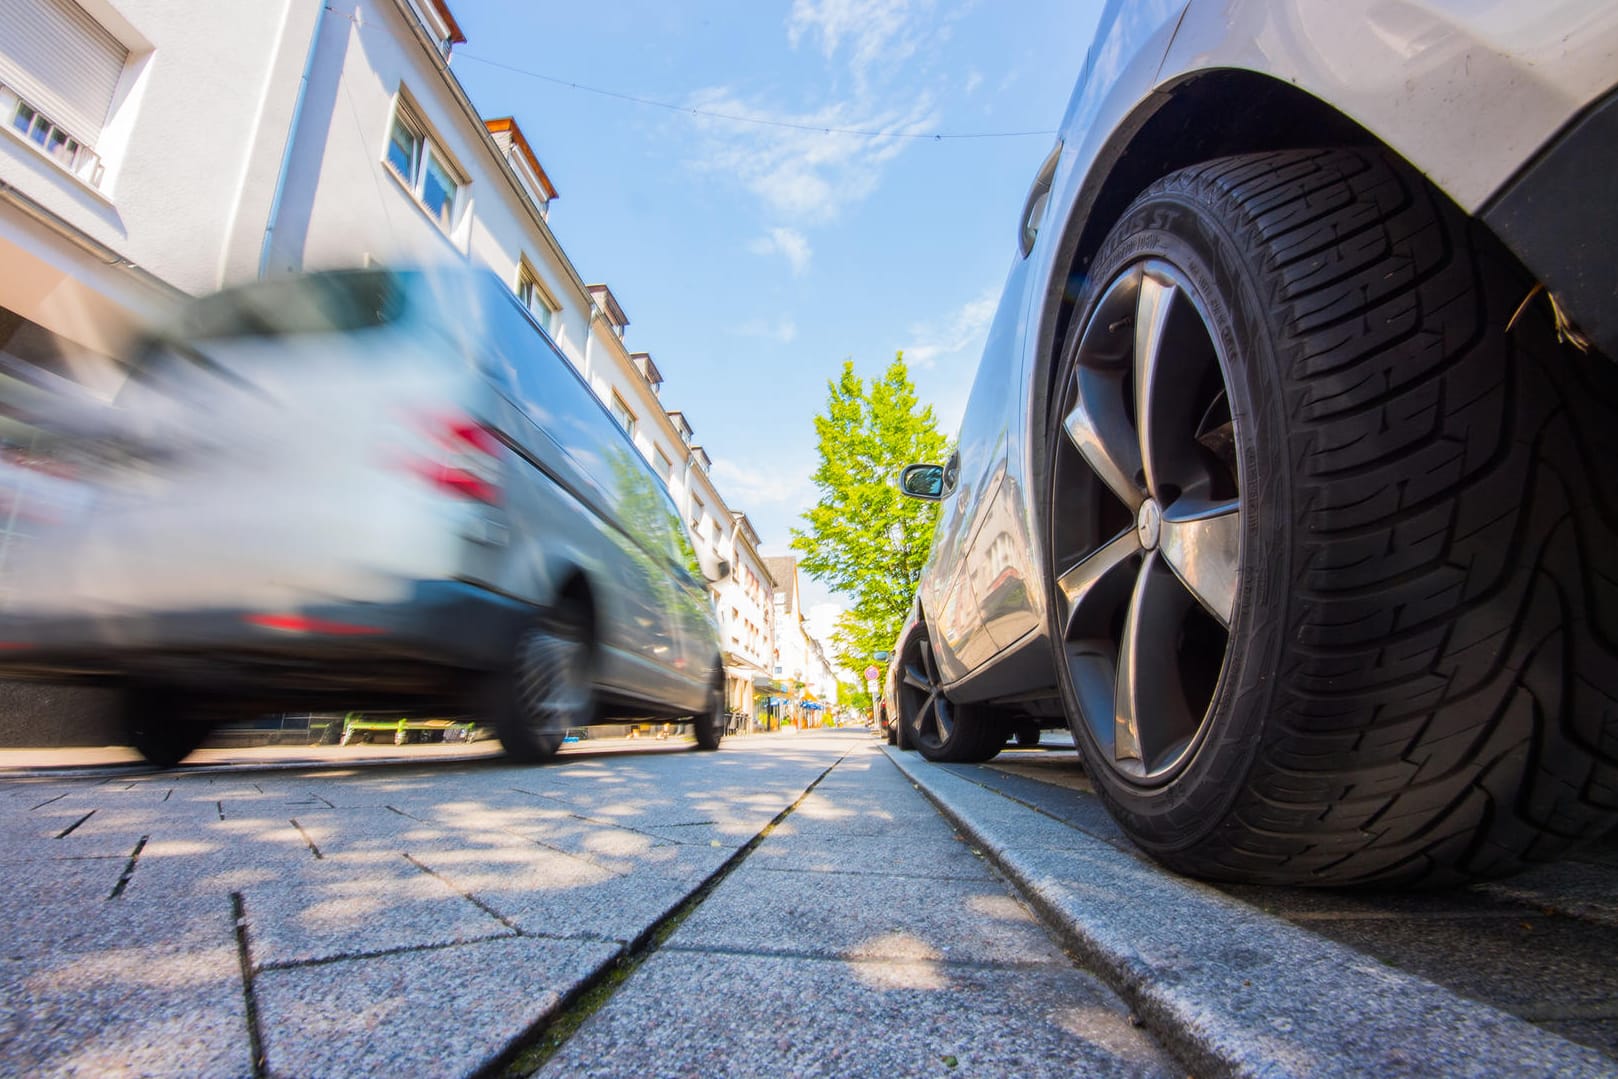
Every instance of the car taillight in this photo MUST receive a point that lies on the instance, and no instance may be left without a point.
(464, 460)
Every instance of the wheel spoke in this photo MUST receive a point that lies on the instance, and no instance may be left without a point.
(1087, 581)
(1150, 714)
(1104, 439)
(942, 720)
(1202, 543)
(916, 678)
(1171, 348)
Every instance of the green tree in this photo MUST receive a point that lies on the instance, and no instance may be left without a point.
(864, 539)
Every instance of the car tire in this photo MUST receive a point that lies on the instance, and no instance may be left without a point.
(1027, 735)
(929, 722)
(709, 728)
(163, 725)
(548, 688)
(1365, 633)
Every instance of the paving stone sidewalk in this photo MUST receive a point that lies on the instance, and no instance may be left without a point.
(432, 919)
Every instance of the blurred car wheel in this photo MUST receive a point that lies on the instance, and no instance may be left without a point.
(1027, 735)
(547, 689)
(710, 728)
(163, 725)
(1322, 532)
(935, 726)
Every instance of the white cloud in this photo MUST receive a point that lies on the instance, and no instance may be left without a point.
(790, 243)
(809, 172)
(875, 32)
(784, 331)
(974, 79)
(963, 330)
(745, 487)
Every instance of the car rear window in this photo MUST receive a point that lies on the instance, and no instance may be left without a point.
(326, 303)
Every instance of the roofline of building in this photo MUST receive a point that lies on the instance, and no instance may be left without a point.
(455, 35)
(520, 141)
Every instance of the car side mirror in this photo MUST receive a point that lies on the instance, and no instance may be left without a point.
(925, 482)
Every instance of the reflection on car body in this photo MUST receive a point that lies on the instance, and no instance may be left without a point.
(1311, 311)
(379, 490)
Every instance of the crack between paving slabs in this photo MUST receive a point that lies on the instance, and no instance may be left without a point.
(129, 869)
(529, 1052)
(664, 841)
(577, 856)
(255, 1033)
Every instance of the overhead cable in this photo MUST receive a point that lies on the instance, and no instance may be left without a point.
(714, 114)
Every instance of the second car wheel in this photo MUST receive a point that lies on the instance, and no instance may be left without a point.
(1331, 542)
(709, 728)
(547, 689)
(163, 725)
(929, 721)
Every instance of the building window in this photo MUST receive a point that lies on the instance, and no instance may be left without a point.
(422, 167)
(535, 299)
(59, 75)
(621, 413)
(696, 515)
(49, 137)
(665, 467)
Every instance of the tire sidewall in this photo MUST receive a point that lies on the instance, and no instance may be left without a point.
(1194, 801)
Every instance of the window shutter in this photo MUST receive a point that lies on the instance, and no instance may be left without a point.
(61, 61)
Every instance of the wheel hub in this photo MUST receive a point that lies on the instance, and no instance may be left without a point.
(1149, 524)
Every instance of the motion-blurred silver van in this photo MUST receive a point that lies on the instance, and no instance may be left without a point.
(371, 490)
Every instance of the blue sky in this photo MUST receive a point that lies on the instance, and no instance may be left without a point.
(753, 259)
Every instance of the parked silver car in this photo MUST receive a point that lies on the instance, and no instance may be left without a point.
(1287, 477)
(369, 490)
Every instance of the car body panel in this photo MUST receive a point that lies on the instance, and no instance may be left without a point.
(1465, 90)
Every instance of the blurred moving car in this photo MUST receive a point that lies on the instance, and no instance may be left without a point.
(1287, 474)
(375, 491)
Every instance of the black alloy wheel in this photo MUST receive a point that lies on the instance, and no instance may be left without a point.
(1146, 604)
(1331, 536)
(929, 721)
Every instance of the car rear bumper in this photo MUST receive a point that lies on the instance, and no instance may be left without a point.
(443, 625)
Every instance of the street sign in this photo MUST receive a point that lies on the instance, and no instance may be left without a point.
(872, 674)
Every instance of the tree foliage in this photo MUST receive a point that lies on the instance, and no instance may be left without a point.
(864, 538)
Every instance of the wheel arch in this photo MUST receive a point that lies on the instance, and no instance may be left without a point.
(1179, 124)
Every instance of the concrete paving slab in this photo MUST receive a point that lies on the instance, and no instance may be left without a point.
(442, 1011)
(868, 917)
(930, 855)
(353, 917)
(32, 887)
(101, 988)
(691, 1013)
(170, 868)
(585, 904)
(1237, 990)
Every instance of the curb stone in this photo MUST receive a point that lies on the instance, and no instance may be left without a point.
(1233, 990)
